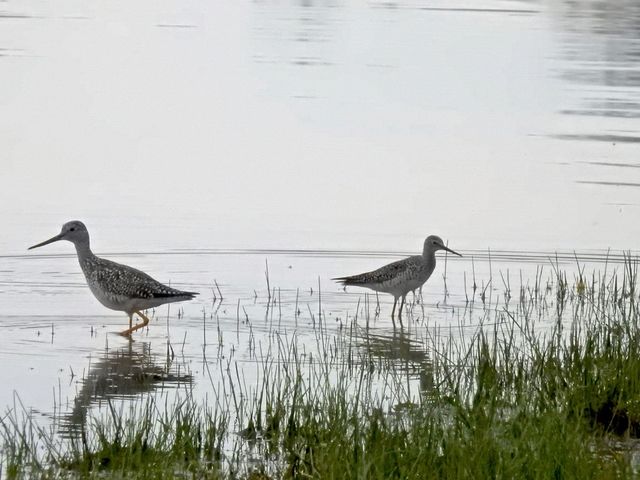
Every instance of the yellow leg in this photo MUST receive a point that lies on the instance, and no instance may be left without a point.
(393, 312)
(127, 332)
(131, 329)
(401, 305)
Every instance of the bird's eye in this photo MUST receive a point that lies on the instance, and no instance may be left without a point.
(73, 229)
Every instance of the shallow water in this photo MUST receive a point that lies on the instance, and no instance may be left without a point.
(64, 356)
(199, 140)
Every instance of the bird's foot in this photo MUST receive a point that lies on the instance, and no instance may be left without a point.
(126, 333)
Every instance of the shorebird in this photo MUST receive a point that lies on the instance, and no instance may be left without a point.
(401, 277)
(117, 286)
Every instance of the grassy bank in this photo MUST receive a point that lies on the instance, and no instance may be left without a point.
(547, 385)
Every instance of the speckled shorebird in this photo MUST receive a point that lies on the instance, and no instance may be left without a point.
(401, 277)
(117, 286)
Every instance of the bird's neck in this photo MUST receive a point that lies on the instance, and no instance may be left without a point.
(427, 253)
(429, 261)
(83, 250)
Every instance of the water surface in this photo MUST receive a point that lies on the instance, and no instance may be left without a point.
(199, 140)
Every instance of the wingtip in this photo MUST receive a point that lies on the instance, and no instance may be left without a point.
(343, 281)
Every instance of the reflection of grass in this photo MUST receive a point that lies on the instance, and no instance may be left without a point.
(512, 402)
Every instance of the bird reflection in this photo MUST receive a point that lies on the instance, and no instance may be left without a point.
(121, 373)
(402, 352)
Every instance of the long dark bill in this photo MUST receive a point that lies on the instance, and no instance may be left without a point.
(451, 251)
(47, 242)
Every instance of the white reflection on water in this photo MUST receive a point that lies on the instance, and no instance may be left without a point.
(319, 124)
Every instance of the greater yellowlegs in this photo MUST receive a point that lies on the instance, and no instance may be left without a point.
(401, 277)
(117, 286)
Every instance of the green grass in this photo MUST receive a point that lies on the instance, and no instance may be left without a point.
(548, 387)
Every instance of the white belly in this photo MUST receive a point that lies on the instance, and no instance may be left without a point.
(114, 302)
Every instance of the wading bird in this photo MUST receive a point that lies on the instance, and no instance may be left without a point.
(117, 286)
(401, 277)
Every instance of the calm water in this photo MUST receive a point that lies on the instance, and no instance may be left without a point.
(199, 139)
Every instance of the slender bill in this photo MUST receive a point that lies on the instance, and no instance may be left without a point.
(47, 242)
(451, 251)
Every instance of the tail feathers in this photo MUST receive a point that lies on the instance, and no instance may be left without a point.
(177, 293)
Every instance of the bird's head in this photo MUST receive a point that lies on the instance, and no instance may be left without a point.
(73, 231)
(433, 243)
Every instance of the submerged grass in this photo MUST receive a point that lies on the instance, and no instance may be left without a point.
(543, 388)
